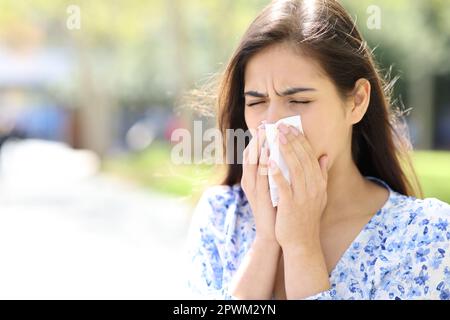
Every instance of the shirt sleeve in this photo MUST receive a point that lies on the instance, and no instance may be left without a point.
(205, 264)
(424, 269)
(432, 276)
(324, 295)
(206, 250)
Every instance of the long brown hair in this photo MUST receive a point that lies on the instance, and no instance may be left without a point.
(325, 31)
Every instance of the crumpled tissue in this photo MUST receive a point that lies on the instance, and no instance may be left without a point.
(275, 154)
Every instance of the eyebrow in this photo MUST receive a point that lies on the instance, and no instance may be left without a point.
(288, 92)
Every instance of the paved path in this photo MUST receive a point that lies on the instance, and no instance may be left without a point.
(90, 238)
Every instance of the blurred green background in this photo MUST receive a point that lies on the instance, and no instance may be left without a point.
(91, 203)
(113, 85)
(432, 168)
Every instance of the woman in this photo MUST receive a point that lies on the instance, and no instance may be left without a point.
(349, 226)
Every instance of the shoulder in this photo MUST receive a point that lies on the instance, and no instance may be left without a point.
(418, 249)
(401, 209)
(220, 203)
(411, 212)
(429, 217)
(221, 197)
(416, 224)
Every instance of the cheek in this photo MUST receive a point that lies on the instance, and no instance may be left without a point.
(324, 131)
(316, 136)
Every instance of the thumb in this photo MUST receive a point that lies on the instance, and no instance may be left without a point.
(323, 162)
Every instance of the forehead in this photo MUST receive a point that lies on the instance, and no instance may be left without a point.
(281, 65)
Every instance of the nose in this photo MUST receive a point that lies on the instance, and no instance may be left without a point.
(275, 112)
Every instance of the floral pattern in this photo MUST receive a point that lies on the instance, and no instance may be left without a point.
(401, 253)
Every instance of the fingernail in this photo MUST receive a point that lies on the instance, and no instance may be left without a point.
(295, 131)
(282, 138)
(283, 128)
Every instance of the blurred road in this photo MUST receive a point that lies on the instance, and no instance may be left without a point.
(89, 238)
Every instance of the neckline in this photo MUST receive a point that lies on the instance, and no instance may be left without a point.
(359, 237)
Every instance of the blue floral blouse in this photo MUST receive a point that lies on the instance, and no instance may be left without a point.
(401, 253)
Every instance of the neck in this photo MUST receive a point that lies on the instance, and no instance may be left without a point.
(345, 185)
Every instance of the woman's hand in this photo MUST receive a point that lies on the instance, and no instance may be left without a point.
(300, 208)
(256, 186)
(300, 204)
(252, 281)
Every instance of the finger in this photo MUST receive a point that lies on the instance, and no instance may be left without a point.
(263, 170)
(293, 162)
(306, 146)
(261, 135)
(279, 179)
(318, 177)
(263, 158)
(296, 140)
(253, 148)
(304, 154)
(250, 159)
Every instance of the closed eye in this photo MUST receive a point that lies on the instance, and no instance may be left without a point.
(293, 101)
(300, 102)
(254, 103)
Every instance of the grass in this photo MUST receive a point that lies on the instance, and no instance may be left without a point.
(153, 169)
(433, 171)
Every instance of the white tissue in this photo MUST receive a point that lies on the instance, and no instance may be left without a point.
(275, 155)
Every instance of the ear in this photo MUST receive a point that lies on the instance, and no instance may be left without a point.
(359, 100)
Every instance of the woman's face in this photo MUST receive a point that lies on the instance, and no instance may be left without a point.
(272, 73)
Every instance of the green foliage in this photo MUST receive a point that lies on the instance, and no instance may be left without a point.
(433, 170)
(409, 29)
(154, 169)
(149, 51)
